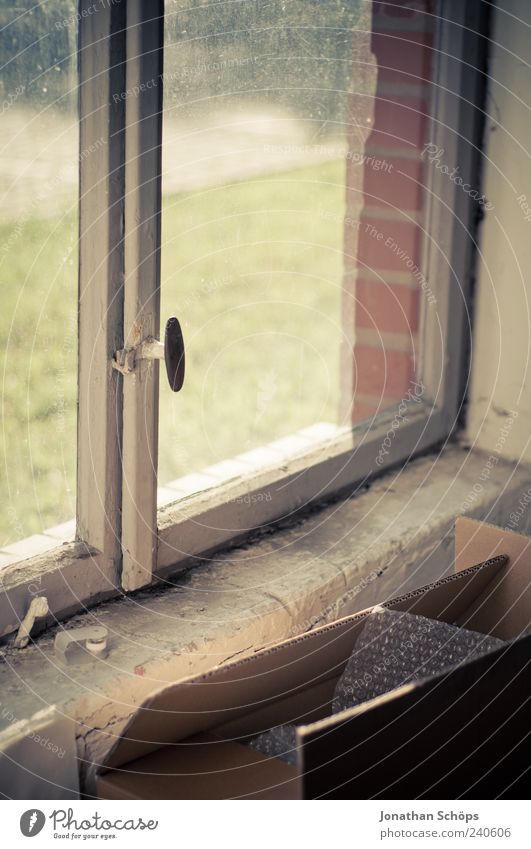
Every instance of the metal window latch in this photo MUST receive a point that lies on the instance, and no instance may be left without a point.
(171, 351)
(81, 645)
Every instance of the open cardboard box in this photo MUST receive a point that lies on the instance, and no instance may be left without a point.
(459, 734)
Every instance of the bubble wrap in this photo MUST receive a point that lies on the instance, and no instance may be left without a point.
(393, 649)
(278, 742)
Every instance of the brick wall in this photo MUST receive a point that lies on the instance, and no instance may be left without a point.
(388, 129)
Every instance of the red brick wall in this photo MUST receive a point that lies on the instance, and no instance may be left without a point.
(385, 202)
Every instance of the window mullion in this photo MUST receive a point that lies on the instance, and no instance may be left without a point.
(143, 106)
(101, 160)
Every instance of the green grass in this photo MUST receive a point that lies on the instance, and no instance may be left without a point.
(253, 270)
(38, 341)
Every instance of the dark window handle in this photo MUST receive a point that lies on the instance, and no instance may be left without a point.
(174, 353)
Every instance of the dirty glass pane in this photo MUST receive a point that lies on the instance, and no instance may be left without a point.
(278, 150)
(38, 267)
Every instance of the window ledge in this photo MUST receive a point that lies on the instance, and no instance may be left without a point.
(394, 537)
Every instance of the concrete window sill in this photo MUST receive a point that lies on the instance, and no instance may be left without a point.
(395, 536)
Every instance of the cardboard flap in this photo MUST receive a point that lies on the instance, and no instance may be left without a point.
(448, 599)
(203, 768)
(504, 609)
(207, 701)
(461, 734)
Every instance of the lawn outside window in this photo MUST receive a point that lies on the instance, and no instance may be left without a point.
(387, 238)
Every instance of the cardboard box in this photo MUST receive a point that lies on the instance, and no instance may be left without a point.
(461, 734)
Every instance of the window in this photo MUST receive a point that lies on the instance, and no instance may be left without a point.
(284, 182)
(39, 163)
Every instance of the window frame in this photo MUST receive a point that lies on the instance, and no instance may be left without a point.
(122, 541)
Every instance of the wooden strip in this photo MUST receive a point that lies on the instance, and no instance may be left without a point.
(143, 105)
(101, 69)
(198, 525)
(450, 248)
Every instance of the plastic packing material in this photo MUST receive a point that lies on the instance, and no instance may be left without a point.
(393, 649)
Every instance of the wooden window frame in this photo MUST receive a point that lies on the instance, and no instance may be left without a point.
(122, 542)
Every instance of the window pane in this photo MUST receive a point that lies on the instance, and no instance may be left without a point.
(38, 265)
(292, 212)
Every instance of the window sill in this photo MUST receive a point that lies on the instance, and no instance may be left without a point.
(395, 536)
(199, 514)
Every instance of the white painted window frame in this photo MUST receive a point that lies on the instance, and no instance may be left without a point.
(122, 543)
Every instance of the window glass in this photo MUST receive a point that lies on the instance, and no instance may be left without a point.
(292, 220)
(39, 161)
